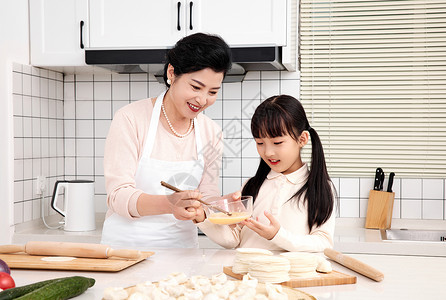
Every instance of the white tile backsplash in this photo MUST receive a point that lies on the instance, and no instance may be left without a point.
(17, 83)
(433, 189)
(249, 166)
(215, 111)
(120, 90)
(35, 119)
(35, 86)
(411, 188)
(84, 90)
(102, 90)
(68, 90)
(396, 213)
(138, 90)
(102, 110)
(290, 87)
(232, 109)
(270, 75)
(411, 209)
(231, 166)
(84, 129)
(101, 128)
(27, 89)
(84, 166)
(232, 91)
(61, 122)
(27, 106)
(349, 208)
(349, 188)
(84, 147)
(84, 110)
(432, 209)
(231, 185)
(365, 185)
(363, 207)
(249, 148)
(269, 88)
(250, 89)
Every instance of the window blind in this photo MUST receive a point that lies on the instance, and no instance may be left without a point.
(373, 84)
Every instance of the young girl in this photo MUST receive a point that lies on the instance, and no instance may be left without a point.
(293, 206)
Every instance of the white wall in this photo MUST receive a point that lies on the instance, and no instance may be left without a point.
(14, 47)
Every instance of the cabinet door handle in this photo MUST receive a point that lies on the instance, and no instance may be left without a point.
(82, 35)
(190, 11)
(178, 16)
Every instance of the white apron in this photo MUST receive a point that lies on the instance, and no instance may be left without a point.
(164, 231)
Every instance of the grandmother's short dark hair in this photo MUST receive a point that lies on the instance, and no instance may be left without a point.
(196, 52)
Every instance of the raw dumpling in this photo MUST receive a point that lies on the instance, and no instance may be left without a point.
(323, 266)
(138, 296)
(115, 293)
(275, 292)
(219, 278)
(145, 288)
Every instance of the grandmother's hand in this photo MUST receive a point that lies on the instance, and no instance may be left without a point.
(184, 204)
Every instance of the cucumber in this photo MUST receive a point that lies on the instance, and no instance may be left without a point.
(22, 290)
(64, 288)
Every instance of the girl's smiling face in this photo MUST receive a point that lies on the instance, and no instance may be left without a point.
(282, 153)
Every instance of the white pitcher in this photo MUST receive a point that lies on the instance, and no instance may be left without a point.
(78, 209)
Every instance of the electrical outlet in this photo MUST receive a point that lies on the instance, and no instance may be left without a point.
(40, 185)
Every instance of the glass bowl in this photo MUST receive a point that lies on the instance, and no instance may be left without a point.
(240, 209)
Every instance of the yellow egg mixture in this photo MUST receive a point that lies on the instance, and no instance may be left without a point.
(223, 219)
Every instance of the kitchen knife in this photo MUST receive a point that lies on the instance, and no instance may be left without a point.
(354, 264)
(390, 184)
(378, 176)
(381, 181)
(70, 249)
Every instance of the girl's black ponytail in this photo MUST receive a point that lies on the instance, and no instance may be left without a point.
(318, 188)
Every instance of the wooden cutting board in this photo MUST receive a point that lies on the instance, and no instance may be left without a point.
(332, 278)
(112, 264)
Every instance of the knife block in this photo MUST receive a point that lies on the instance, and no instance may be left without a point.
(379, 210)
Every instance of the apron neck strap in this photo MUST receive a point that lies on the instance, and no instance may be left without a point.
(154, 121)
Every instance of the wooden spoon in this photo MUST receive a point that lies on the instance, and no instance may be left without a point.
(175, 189)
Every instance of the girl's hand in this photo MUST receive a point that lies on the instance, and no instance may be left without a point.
(236, 195)
(266, 231)
(184, 204)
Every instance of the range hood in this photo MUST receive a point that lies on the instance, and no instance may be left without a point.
(152, 61)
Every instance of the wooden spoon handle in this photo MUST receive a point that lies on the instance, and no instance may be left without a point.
(171, 187)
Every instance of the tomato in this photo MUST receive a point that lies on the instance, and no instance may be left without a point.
(6, 281)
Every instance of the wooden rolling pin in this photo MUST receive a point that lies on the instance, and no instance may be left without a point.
(354, 264)
(70, 249)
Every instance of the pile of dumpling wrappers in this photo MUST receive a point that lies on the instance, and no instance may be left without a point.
(177, 286)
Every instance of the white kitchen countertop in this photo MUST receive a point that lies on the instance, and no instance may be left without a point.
(406, 277)
(350, 236)
(413, 270)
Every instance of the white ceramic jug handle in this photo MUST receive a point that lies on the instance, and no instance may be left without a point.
(57, 185)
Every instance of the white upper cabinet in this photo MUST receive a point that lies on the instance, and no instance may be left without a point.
(61, 30)
(135, 24)
(240, 22)
(58, 32)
